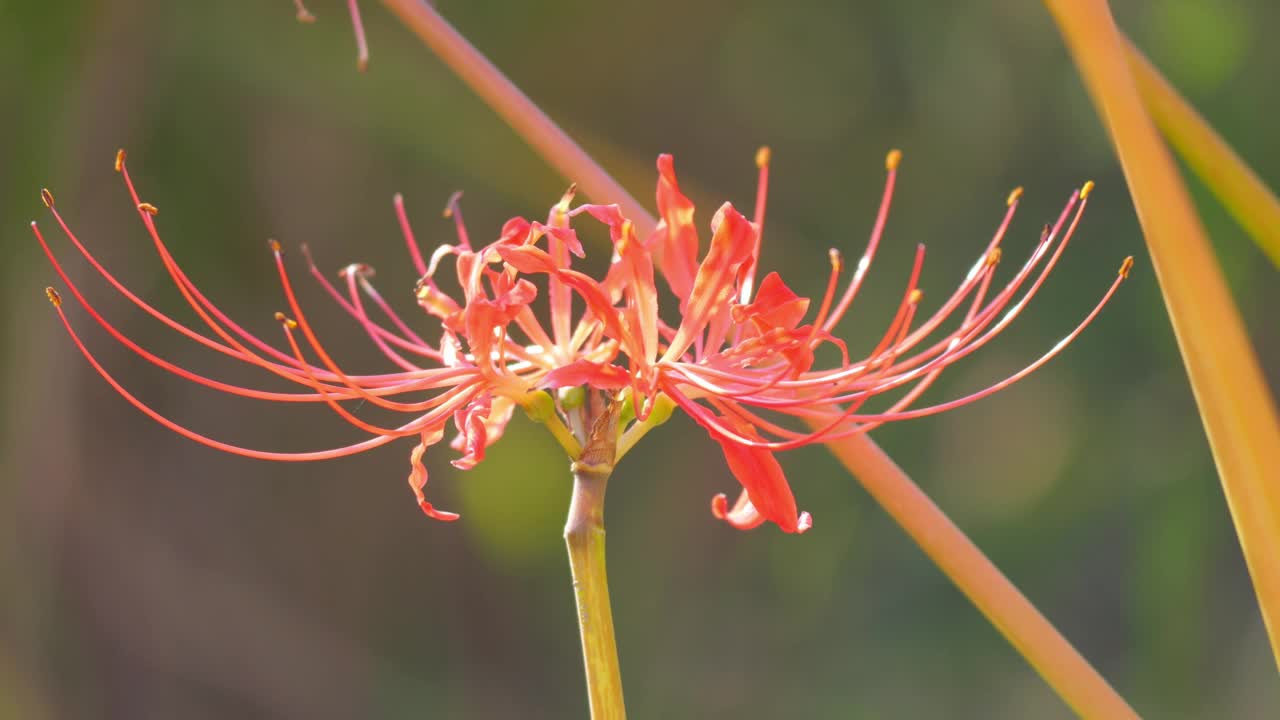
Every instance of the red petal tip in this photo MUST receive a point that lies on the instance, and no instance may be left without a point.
(434, 514)
(804, 523)
(720, 506)
(742, 516)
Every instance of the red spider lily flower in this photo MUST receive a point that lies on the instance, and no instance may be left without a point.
(739, 362)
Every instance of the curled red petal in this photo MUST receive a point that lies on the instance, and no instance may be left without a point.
(527, 259)
(604, 376)
(480, 425)
(742, 516)
(774, 306)
(675, 241)
(565, 235)
(610, 215)
(473, 442)
(418, 476)
(708, 300)
(514, 230)
(766, 491)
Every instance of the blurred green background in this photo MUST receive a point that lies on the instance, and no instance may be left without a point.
(144, 576)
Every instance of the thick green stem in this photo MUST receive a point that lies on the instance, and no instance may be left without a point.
(584, 537)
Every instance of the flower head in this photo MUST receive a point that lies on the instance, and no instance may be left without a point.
(740, 361)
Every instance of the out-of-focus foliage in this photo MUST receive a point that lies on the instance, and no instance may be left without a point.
(145, 576)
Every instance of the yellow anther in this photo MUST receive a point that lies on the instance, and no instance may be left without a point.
(892, 159)
(916, 296)
(563, 205)
(837, 260)
(448, 208)
(148, 208)
(1126, 266)
(53, 296)
(274, 245)
(120, 160)
(993, 257)
(1014, 195)
(286, 320)
(763, 156)
(1084, 191)
(47, 197)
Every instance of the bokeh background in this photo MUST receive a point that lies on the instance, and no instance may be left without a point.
(143, 576)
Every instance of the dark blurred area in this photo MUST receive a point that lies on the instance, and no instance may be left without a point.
(145, 576)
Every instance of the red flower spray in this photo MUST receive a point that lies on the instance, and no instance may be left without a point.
(740, 362)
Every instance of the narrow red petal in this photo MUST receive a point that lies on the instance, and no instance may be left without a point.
(418, 476)
(675, 242)
(585, 372)
(713, 287)
(765, 485)
(775, 306)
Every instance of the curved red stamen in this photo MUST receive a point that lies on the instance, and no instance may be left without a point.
(178, 370)
(445, 404)
(747, 276)
(370, 326)
(210, 442)
(877, 231)
(296, 308)
(415, 254)
(362, 45)
(357, 304)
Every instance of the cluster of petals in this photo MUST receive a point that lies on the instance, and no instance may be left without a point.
(740, 360)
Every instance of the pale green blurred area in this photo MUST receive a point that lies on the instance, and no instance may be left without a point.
(142, 575)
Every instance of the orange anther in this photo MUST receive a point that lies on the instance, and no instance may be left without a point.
(1126, 266)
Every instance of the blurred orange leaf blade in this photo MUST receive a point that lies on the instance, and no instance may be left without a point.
(1235, 403)
(1231, 180)
(1009, 611)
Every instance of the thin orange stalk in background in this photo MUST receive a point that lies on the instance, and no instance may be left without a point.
(1013, 615)
(1030, 633)
(1231, 180)
(513, 106)
(1235, 402)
